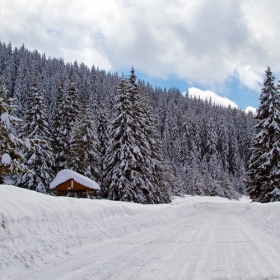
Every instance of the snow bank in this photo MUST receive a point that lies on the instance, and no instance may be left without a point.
(65, 175)
(36, 228)
(265, 216)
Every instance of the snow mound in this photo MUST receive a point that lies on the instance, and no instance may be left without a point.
(265, 216)
(36, 228)
(65, 175)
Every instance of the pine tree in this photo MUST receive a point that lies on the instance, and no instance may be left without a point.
(223, 144)
(121, 161)
(83, 156)
(185, 149)
(195, 182)
(9, 70)
(263, 176)
(22, 82)
(102, 124)
(11, 146)
(155, 167)
(129, 157)
(71, 104)
(39, 159)
(59, 132)
(212, 186)
(228, 188)
(75, 157)
(64, 118)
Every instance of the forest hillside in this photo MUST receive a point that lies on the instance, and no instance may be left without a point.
(178, 145)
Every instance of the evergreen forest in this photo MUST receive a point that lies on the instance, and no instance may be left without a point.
(140, 142)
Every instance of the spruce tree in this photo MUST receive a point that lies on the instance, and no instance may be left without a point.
(128, 176)
(195, 182)
(11, 146)
(75, 157)
(263, 176)
(64, 118)
(59, 132)
(71, 104)
(83, 156)
(156, 169)
(39, 159)
(120, 160)
(102, 125)
(186, 149)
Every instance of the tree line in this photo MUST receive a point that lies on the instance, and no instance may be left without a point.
(141, 143)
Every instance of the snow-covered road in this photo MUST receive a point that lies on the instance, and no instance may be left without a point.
(216, 242)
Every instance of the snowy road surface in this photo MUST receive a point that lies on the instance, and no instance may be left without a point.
(216, 242)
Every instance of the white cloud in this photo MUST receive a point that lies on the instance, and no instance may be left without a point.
(68, 29)
(203, 42)
(207, 94)
(249, 77)
(90, 55)
(251, 109)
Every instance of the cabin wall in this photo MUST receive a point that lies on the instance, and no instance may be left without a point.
(68, 187)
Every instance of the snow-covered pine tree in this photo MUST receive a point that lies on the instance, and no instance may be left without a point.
(75, 157)
(223, 144)
(39, 159)
(120, 157)
(22, 82)
(237, 168)
(11, 146)
(72, 104)
(59, 129)
(64, 118)
(196, 142)
(9, 70)
(155, 167)
(195, 182)
(83, 156)
(185, 149)
(212, 187)
(263, 176)
(228, 187)
(129, 151)
(102, 124)
(212, 157)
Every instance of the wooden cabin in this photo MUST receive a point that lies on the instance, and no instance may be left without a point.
(70, 183)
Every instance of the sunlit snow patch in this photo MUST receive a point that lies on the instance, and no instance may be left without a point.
(6, 159)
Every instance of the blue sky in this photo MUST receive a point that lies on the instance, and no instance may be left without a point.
(217, 47)
(233, 90)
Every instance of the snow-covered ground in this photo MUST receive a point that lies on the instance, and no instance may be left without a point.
(44, 237)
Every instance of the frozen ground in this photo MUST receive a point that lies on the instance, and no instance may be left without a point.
(43, 237)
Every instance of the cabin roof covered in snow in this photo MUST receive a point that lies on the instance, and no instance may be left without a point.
(65, 175)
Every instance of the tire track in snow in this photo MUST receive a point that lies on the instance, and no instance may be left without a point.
(261, 251)
(216, 243)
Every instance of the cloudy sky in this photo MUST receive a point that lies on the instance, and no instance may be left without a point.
(212, 47)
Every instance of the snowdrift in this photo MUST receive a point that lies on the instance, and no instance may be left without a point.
(37, 229)
(265, 216)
